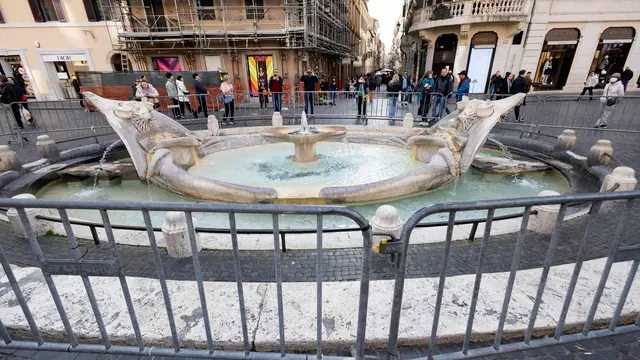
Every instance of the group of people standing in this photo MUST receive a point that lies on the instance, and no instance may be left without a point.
(430, 89)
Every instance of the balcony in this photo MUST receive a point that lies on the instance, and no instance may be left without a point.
(458, 12)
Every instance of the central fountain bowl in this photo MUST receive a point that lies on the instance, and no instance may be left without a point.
(305, 139)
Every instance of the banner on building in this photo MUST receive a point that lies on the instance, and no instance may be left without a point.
(254, 64)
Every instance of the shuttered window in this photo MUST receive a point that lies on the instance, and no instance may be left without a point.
(47, 10)
(98, 10)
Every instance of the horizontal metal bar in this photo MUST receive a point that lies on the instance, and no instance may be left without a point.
(156, 351)
(627, 253)
(538, 343)
(206, 230)
(188, 206)
(86, 267)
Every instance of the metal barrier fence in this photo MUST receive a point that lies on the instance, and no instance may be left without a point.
(70, 119)
(85, 268)
(77, 266)
(616, 254)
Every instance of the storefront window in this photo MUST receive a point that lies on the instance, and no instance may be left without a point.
(556, 58)
(11, 66)
(612, 52)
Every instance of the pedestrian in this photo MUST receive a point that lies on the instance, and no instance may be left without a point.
(75, 83)
(501, 86)
(378, 82)
(612, 93)
(10, 95)
(495, 81)
(443, 86)
(410, 90)
(201, 94)
(333, 87)
(147, 92)
(276, 85)
(310, 81)
(172, 93)
(518, 86)
(627, 75)
(405, 82)
(393, 89)
(589, 85)
(464, 86)
(263, 93)
(183, 96)
(425, 101)
(227, 95)
(427, 78)
(362, 97)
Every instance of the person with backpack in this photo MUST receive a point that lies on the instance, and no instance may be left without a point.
(10, 95)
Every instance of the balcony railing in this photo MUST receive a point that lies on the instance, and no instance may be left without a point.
(468, 9)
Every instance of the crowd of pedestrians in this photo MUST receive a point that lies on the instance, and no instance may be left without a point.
(431, 91)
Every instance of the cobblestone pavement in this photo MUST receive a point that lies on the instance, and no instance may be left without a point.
(344, 264)
(618, 347)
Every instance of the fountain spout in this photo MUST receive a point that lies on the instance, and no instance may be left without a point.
(304, 125)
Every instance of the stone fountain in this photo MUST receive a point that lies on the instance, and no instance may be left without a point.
(163, 151)
(305, 138)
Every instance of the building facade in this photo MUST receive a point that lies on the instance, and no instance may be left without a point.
(44, 41)
(559, 41)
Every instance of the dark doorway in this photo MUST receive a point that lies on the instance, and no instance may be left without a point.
(445, 52)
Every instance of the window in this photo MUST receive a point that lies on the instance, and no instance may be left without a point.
(203, 12)
(47, 10)
(1, 18)
(255, 10)
(98, 10)
(517, 38)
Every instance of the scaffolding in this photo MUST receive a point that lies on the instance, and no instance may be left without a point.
(201, 26)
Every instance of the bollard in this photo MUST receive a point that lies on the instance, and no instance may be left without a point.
(621, 179)
(40, 227)
(46, 147)
(9, 159)
(176, 235)
(386, 220)
(598, 153)
(566, 141)
(276, 119)
(213, 125)
(407, 121)
(545, 220)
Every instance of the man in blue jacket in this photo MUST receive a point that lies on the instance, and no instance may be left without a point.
(201, 93)
(463, 88)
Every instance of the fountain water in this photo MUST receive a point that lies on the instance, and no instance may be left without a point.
(103, 159)
(305, 138)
